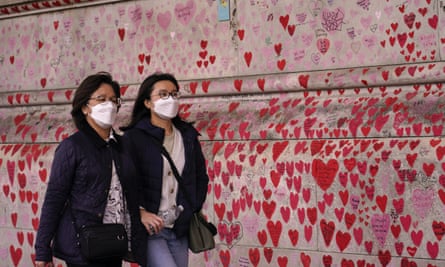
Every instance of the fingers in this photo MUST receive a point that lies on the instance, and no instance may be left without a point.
(154, 227)
(152, 223)
(151, 229)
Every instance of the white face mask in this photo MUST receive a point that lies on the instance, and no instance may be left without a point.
(104, 114)
(166, 108)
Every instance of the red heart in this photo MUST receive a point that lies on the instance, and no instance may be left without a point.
(269, 208)
(16, 254)
(281, 64)
(305, 259)
(278, 148)
(293, 236)
(384, 257)
(433, 249)
(262, 237)
(395, 229)
(238, 84)
(268, 252)
(327, 260)
(274, 231)
(324, 174)
(241, 34)
(284, 20)
(342, 239)
(303, 80)
(327, 229)
(438, 229)
(248, 58)
(254, 256)
(261, 83)
(282, 261)
(381, 202)
(220, 210)
(121, 33)
(433, 21)
(224, 256)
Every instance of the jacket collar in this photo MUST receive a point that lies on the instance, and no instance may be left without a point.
(98, 141)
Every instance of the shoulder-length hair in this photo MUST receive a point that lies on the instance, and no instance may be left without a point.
(83, 93)
(145, 90)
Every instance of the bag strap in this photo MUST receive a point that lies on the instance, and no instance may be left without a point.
(173, 167)
(198, 215)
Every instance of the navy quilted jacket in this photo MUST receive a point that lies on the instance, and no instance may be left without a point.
(148, 159)
(81, 176)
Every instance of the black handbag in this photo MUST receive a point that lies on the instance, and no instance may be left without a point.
(201, 232)
(103, 241)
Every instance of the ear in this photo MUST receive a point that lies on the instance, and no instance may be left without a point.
(147, 103)
(85, 110)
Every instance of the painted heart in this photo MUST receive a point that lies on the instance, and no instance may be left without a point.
(324, 173)
(342, 239)
(422, 200)
(384, 257)
(323, 45)
(380, 227)
(305, 259)
(121, 33)
(293, 236)
(16, 254)
(282, 261)
(327, 260)
(268, 253)
(327, 230)
(230, 232)
(303, 80)
(433, 249)
(254, 256)
(274, 229)
(269, 208)
(185, 12)
(262, 237)
(238, 84)
(224, 256)
(438, 229)
(248, 58)
(220, 210)
(278, 148)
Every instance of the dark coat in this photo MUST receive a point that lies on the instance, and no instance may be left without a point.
(78, 186)
(148, 158)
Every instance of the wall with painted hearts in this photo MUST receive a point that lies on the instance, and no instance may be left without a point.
(321, 121)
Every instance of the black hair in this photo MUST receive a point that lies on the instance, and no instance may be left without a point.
(145, 90)
(83, 93)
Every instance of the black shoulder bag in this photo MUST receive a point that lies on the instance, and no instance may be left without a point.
(201, 232)
(102, 242)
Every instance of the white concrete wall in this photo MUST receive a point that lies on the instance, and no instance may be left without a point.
(322, 121)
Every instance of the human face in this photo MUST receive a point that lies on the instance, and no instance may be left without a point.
(164, 90)
(102, 107)
(163, 100)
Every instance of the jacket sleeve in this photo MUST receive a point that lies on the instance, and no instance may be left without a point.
(202, 178)
(57, 193)
(133, 152)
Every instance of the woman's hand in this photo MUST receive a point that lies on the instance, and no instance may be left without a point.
(152, 222)
(44, 264)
